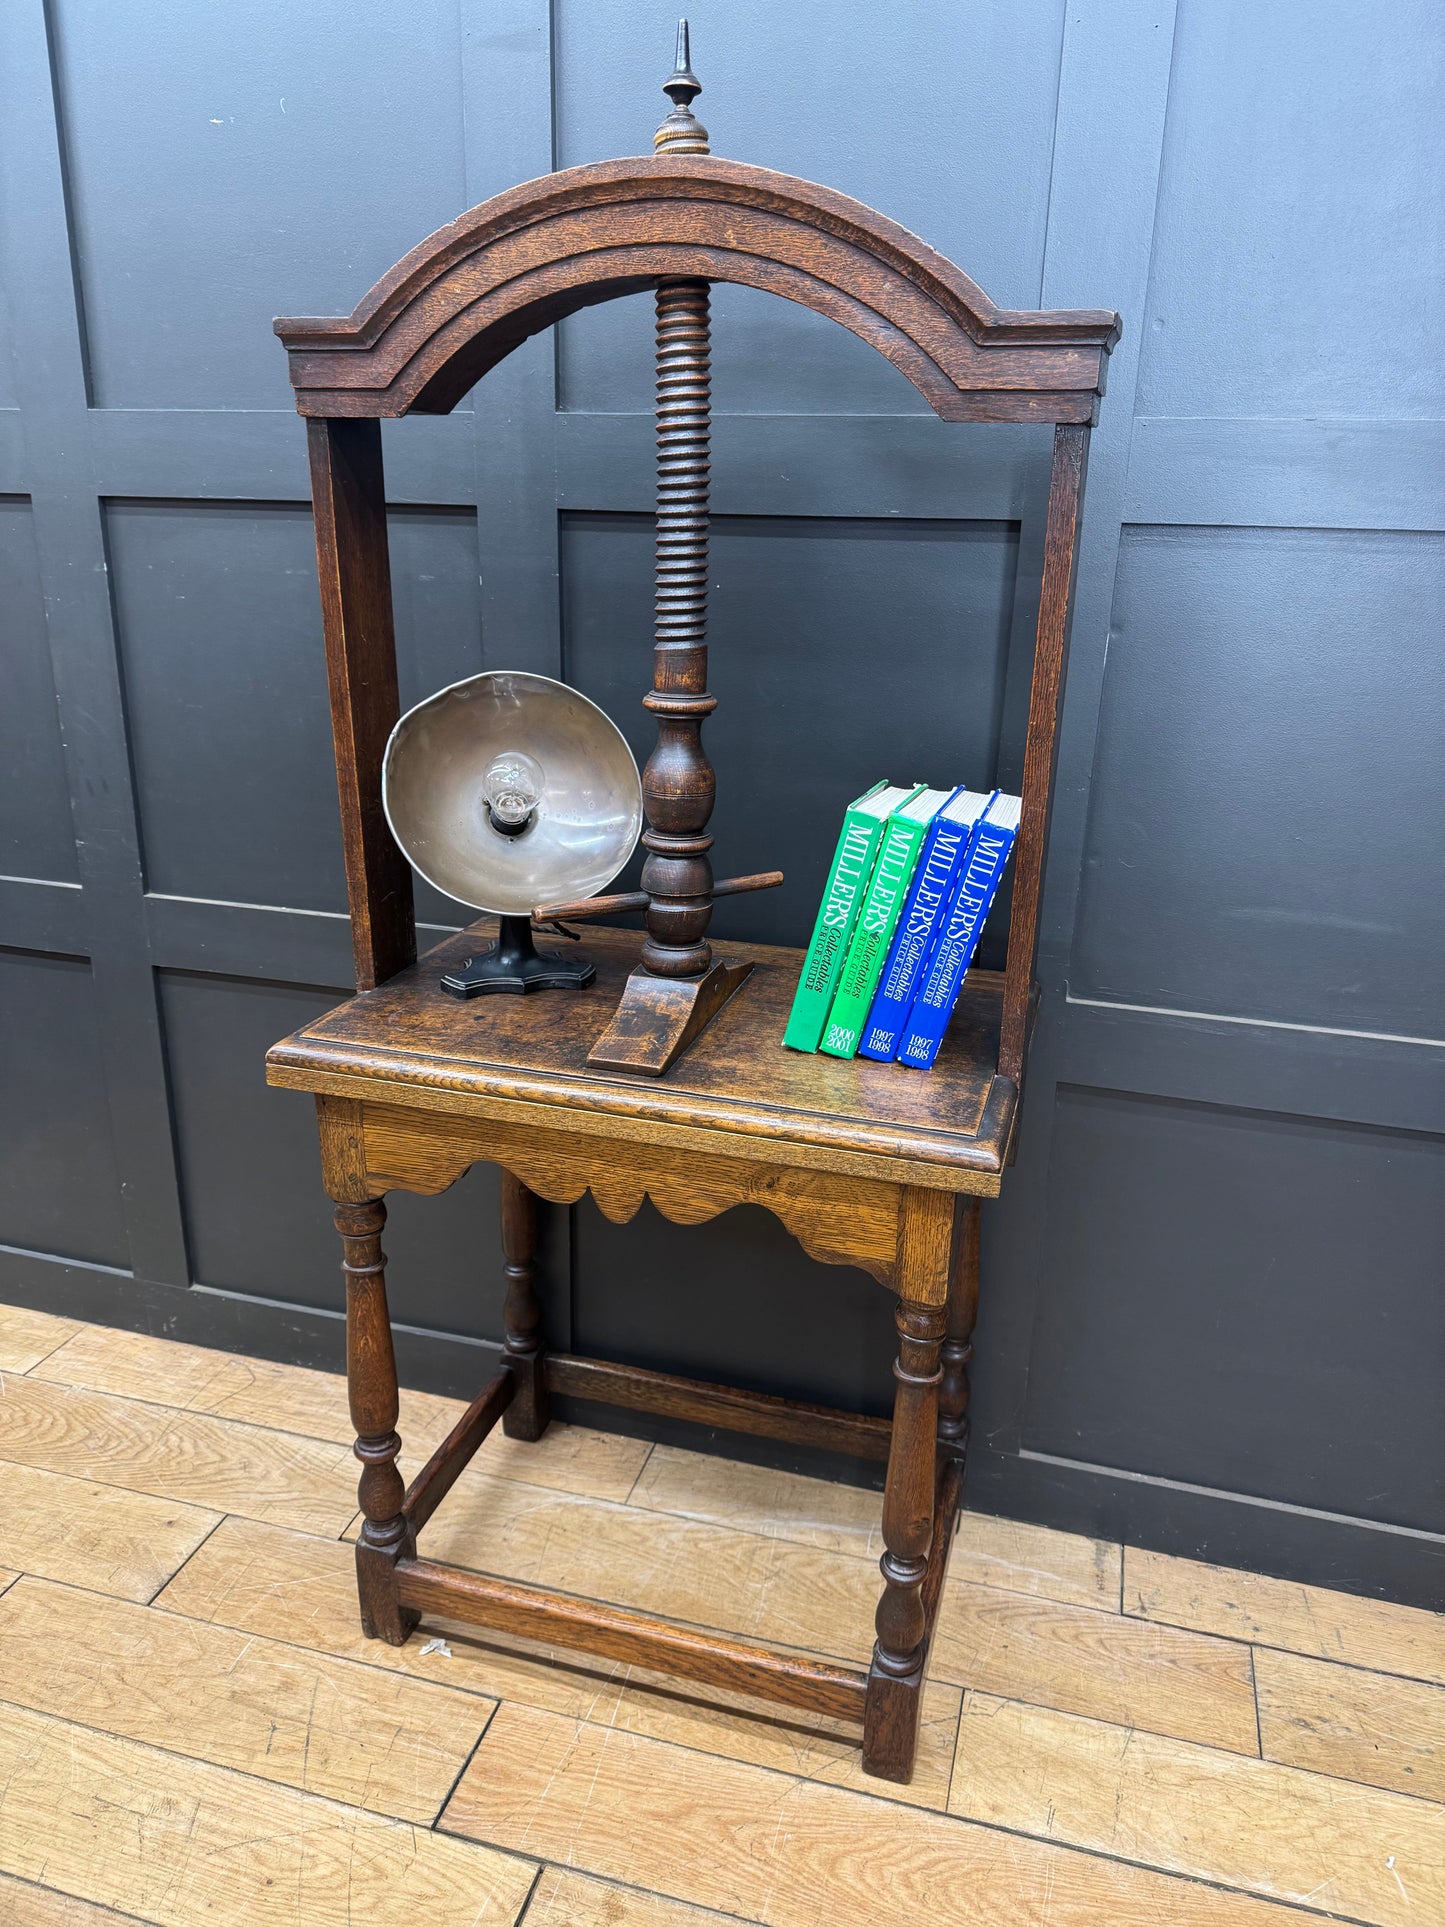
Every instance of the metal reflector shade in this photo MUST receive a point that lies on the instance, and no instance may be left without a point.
(586, 821)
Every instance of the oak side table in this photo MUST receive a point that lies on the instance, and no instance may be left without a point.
(865, 1164)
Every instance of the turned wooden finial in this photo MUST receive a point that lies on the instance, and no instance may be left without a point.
(681, 132)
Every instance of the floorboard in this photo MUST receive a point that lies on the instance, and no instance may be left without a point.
(99, 1536)
(178, 1843)
(292, 1398)
(789, 1854)
(1371, 1633)
(221, 1464)
(1301, 1837)
(576, 1900)
(1373, 1727)
(781, 1505)
(23, 1904)
(382, 1741)
(1182, 1683)
(262, 1581)
(193, 1727)
(26, 1337)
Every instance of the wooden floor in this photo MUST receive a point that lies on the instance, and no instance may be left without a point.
(193, 1730)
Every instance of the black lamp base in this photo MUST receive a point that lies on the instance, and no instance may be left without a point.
(514, 964)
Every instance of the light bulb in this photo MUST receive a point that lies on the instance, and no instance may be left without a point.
(512, 788)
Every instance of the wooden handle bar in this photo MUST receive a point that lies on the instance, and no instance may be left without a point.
(614, 906)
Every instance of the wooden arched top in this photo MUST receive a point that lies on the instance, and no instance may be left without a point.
(474, 290)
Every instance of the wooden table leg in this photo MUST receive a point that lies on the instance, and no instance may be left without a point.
(895, 1679)
(528, 1415)
(953, 1394)
(371, 1387)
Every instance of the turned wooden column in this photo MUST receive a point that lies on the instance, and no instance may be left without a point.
(954, 1392)
(678, 785)
(528, 1415)
(371, 1387)
(679, 987)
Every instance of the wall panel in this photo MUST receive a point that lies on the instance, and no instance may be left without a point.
(1209, 1316)
(1270, 743)
(59, 1190)
(36, 835)
(1213, 1309)
(220, 631)
(1297, 263)
(228, 164)
(256, 1220)
(661, 1297)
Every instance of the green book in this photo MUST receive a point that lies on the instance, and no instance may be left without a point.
(873, 932)
(847, 880)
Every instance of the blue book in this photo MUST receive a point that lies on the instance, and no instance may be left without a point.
(977, 886)
(939, 864)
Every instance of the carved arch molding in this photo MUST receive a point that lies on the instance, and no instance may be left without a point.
(837, 1220)
(472, 292)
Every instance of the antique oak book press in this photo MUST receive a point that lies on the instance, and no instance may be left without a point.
(665, 1078)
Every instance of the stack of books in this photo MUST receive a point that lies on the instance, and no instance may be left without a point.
(914, 876)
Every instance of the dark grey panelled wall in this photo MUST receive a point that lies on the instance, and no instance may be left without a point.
(1213, 1318)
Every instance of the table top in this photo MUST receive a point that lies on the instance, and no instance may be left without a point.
(736, 1091)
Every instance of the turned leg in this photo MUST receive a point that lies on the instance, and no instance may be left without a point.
(371, 1386)
(528, 1414)
(953, 1393)
(895, 1678)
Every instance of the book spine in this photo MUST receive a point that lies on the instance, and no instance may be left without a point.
(977, 887)
(914, 940)
(842, 898)
(877, 921)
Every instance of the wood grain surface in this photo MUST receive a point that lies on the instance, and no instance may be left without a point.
(221, 1464)
(1374, 1727)
(1092, 1662)
(707, 1575)
(700, 1655)
(386, 1742)
(181, 1761)
(191, 1378)
(177, 1843)
(1096, 1663)
(786, 1853)
(574, 1900)
(262, 1580)
(98, 1536)
(523, 1061)
(1347, 1850)
(1046, 690)
(843, 1518)
(1372, 1633)
(290, 1586)
(463, 298)
(24, 1905)
(348, 500)
(837, 1220)
(28, 1336)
